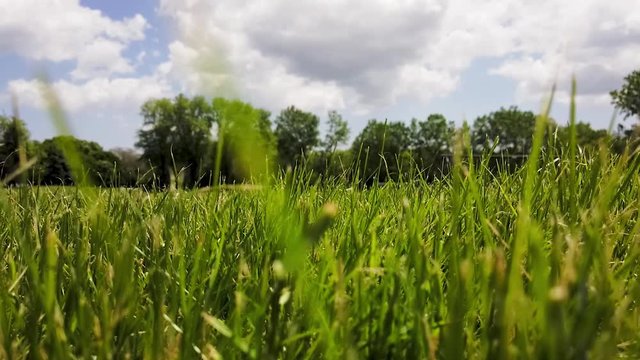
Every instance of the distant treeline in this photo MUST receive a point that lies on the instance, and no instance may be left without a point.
(184, 140)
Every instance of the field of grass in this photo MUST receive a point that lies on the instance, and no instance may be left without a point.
(541, 263)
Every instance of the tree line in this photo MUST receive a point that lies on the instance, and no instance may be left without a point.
(193, 141)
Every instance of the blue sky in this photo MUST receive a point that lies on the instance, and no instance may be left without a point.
(366, 59)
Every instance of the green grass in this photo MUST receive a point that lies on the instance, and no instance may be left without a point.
(541, 263)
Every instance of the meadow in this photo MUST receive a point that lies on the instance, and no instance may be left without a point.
(538, 263)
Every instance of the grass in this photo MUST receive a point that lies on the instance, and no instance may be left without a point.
(541, 263)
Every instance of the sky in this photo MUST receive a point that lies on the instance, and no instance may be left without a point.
(382, 59)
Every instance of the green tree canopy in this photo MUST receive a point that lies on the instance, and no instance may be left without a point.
(512, 128)
(247, 139)
(322, 162)
(176, 136)
(296, 133)
(431, 139)
(627, 98)
(337, 132)
(132, 171)
(378, 149)
(14, 143)
(97, 165)
(586, 136)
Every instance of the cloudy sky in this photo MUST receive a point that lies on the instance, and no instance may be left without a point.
(393, 59)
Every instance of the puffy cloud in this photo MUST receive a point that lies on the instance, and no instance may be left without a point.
(101, 58)
(60, 29)
(366, 54)
(97, 94)
(344, 41)
(596, 41)
(102, 94)
(336, 54)
(316, 54)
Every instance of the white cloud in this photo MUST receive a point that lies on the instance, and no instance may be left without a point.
(102, 94)
(365, 54)
(336, 54)
(596, 41)
(316, 54)
(202, 71)
(101, 58)
(59, 29)
(116, 95)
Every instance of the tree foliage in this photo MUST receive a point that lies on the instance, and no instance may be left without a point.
(431, 140)
(378, 150)
(627, 98)
(176, 137)
(337, 132)
(586, 136)
(132, 171)
(195, 141)
(14, 144)
(98, 166)
(247, 139)
(512, 128)
(296, 133)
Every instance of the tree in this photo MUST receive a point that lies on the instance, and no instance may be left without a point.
(131, 170)
(627, 99)
(192, 140)
(322, 162)
(586, 136)
(378, 148)
(96, 165)
(52, 168)
(339, 165)
(154, 138)
(431, 140)
(247, 139)
(176, 135)
(337, 132)
(14, 142)
(512, 128)
(626, 138)
(296, 133)
(265, 130)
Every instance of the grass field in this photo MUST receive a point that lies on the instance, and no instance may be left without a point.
(541, 263)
